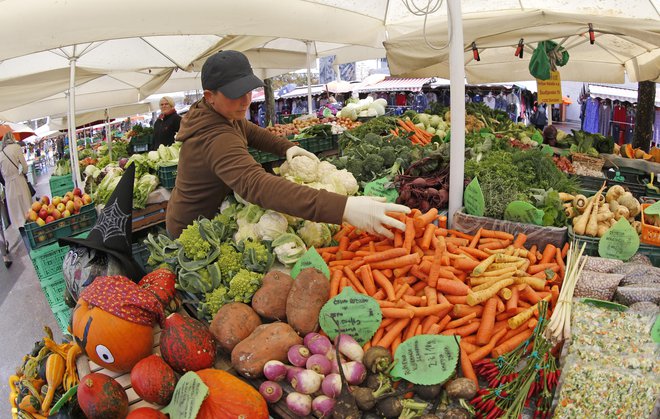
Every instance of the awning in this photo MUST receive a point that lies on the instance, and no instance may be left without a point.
(258, 95)
(617, 93)
(394, 85)
(302, 92)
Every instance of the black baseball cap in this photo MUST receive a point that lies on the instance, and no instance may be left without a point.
(231, 73)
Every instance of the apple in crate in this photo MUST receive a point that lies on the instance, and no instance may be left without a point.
(86, 199)
(50, 208)
(57, 200)
(77, 192)
(45, 200)
(66, 213)
(70, 206)
(32, 215)
(40, 222)
(56, 214)
(50, 219)
(36, 206)
(61, 207)
(77, 204)
(43, 213)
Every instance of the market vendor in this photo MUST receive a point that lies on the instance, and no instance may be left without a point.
(167, 123)
(214, 160)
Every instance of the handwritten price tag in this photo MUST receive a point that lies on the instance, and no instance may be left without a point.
(311, 259)
(426, 359)
(357, 315)
(523, 212)
(381, 187)
(473, 199)
(655, 331)
(188, 396)
(619, 242)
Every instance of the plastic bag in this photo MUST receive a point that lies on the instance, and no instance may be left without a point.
(632, 294)
(597, 285)
(598, 264)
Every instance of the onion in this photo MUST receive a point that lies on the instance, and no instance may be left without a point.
(320, 364)
(317, 344)
(331, 385)
(323, 406)
(275, 370)
(300, 404)
(271, 391)
(298, 355)
(306, 381)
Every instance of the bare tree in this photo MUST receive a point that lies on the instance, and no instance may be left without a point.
(645, 115)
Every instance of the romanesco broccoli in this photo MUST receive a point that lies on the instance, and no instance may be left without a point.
(243, 285)
(214, 300)
(256, 256)
(194, 247)
(229, 261)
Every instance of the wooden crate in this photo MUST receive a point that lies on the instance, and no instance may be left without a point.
(152, 215)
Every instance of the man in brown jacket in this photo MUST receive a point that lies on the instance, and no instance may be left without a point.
(214, 160)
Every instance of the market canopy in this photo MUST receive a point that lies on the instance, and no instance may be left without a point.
(622, 45)
(617, 93)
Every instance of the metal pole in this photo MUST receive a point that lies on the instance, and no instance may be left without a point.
(73, 140)
(309, 77)
(457, 99)
(108, 133)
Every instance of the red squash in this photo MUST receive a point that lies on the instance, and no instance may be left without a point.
(153, 380)
(187, 344)
(162, 283)
(146, 413)
(102, 397)
(230, 398)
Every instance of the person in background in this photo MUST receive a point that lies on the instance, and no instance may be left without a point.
(167, 124)
(214, 161)
(4, 224)
(13, 168)
(550, 135)
(540, 117)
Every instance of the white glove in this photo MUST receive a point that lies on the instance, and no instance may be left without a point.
(368, 213)
(299, 151)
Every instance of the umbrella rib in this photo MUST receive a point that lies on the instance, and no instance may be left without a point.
(170, 59)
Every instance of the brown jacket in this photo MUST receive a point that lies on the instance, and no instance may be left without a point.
(214, 161)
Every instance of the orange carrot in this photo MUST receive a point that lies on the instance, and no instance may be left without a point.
(334, 282)
(386, 304)
(457, 299)
(483, 352)
(485, 331)
(462, 310)
(443, 323)
(343, 243)
(367, 279)
(408, 235)
(429, 233)
(397, 313)
(452, 287)
(465, 264)
(378, 335)
(548, 254)
(395, 344)
(411, 259)
(560, 262)
(531, 323)
(466, 330)
(475, 239)
(330, 249)
(357, 285)
(410, 330)
(512, 343)
(340, 263)
(495, 245)
(512, 303)
(385, 255)
(555, 295)
(496, 234)
(431, 296)
(439, 310)
(564, 250)
(540, 267)
(466, 367)
(388, 273)
(384, 283)
(427, 218)
(394, 331)
(345, 230)
(398, 239)
(343, 282)
(509, 314)
(428, 321)
(460, 234)
(401, 291)
(529, 295)
(414, 300)
(531, 255)
(461, 321)
(379, 295)
(468, 347)
(400, 272)
(479, 254)
(433, 330)
(520, 240)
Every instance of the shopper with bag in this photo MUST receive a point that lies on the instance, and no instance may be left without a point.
(214, 160)
(13, 168)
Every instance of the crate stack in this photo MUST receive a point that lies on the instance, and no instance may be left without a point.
(60, 185)
(39, 236)
(167, 176)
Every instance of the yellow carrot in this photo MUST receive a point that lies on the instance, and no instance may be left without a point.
(475, 298)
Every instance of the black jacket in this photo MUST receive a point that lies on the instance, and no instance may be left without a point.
(165, 129)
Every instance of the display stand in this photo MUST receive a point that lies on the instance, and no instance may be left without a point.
(150, 216)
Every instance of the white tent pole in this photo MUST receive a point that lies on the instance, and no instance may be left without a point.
(457, 98)
(73, 140)
(108, 133)
(309, 77)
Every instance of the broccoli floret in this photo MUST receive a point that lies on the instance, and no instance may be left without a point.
(194, 247)
(373, 164)
(389, 155)
(230, 261)
(214, 300)
(243, 285)
(224, 225)
(373, 139)
(356, 167)
(256, 256)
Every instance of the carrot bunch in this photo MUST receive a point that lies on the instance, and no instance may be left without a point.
(432, 280)
(414, 133)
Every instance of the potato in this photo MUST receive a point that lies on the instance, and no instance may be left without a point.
(270, 300)
(310, 290)
(268, 341)
(233, 323)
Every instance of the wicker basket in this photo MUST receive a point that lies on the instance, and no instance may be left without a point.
(588, 162)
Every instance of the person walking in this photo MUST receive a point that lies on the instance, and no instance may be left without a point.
(13, 168)
(4, 224)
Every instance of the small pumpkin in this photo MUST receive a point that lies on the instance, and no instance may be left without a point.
(146, 413)
(161, 283)
(102, 397)
(655, 154)
(153, 380)
(54, 375)
(628, 151)
(187, 344)
(230, 397)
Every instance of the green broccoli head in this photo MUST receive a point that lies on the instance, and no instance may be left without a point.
(194, 247)
(373, 139)
(389, 155)
(230, 261)
(243, 285)
(373, 164)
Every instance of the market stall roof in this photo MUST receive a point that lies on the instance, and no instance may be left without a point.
(627, 40)
(617, 93)
(393, 84)
(302, 91)
(83, 118)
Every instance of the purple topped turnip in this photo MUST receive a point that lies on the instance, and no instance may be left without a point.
(275, 370)
(298, 355)
(271, 391)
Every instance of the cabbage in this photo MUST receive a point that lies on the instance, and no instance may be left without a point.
(246, 231)
(424, 118)
(435, 120)
(250, 214)
(271, 225)
(315, 234)
(378, 108)
(289, 248)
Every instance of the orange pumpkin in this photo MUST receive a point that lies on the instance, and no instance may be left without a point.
(628, 151)
(109, 341)
(655, 152)
(230, 397)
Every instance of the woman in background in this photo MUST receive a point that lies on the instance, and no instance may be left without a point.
(13, 168)
(167, 124)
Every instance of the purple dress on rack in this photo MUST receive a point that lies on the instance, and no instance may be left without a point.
(591, 114)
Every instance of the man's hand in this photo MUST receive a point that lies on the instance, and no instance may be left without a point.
(369, 213)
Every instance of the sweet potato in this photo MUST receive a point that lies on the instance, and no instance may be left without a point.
(310, 290)
(270, 300)
(268, 341)
(233, 323)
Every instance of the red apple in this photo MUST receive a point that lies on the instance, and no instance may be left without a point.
(77, 204)
(50, 208)
(69, 194)
(56, 214)
(45, 200)
(50, 219)
(77, 192)
(43, 213)
(36, 206)
(86, 199)
(66, 213)
(65, 199)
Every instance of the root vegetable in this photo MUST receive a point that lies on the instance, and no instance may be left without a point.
(298, 355)
(461, 388)
(331, 385)
(291, 372)
(429, 392)
(317, 344)
(377, 359)
(345, 408)
(580, 203)
(300, 404)
(350, 348)
(271, 391)
(306, 382)
(267, 342)
(275, 370)
(318, 363)
(613, 193)
(621, 212)
(355, 372)
(323, 406)
(630, 202)
(566, 197)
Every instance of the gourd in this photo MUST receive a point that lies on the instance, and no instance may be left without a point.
(146, 413)
(230, 398)
(100, 396)
(153, 380)
(109, 341)
(187, 344)
(54, 375)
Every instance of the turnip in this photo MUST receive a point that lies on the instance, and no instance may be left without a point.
(275, 370)
(377, 359)
(291, 371)
(299, 404)
(355, 372)
(345, 407)
(331, 385)
(350, 348)
(323, 406)
(298, 355)
(317, 344)
(319, 364)
(366, 398)
(271, 391)
(306, 382)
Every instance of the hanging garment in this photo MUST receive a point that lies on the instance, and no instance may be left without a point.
(618, 125)
(656, 128)
(431, 97)
(400, 99)
(489, 101)
(591, 115)
(631, 114)
(604, 118)
(420, 103)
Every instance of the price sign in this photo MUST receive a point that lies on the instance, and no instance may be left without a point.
(473, 199)
(524, 212)
(621, 241)
(188, 396)
(357, 315)
(653, 209)
(426, 359)
(655, 331)
(311, 259)
(381, 187)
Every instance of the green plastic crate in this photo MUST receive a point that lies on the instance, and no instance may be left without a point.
(64, 227)
(316, 144)
(141, 256)
(167, 176)
(591, 249)
(53, 288)
(62, 314)
(262, 156)
(60, 182)
(48, 260)
(60, 191)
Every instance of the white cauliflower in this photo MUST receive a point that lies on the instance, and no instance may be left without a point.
(344, 182)
(303, 168)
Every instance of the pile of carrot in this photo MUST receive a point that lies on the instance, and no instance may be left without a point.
(432, 280)
(416, 134)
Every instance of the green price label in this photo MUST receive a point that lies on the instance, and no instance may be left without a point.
(350, 313)
(381, 187)
(188, 396)
(621, 241)
(653, 209)
(524, 212)
(473, 199)
(426, 359)
(71, 393)
(311, 259)
(655, 331)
